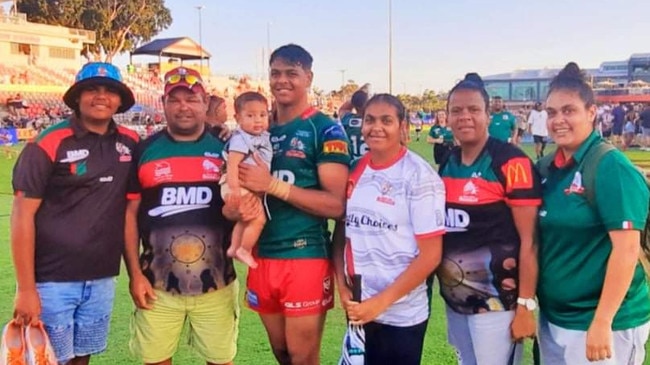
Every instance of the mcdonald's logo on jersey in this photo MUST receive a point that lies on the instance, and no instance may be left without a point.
(518, 174)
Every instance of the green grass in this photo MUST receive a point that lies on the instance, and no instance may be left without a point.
(253, 345)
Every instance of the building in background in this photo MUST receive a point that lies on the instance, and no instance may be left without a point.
(613, 81)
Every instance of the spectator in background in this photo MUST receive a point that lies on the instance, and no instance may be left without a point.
(441, 137)
(217, 111)
(522, 124)
(503, 125)
(618, 121)
(351, 115)
(629, 131)
(644, 117)
(537, 127)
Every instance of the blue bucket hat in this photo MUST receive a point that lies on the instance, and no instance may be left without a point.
(99, 73)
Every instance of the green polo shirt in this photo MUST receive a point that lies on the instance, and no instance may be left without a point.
(437, 131)
(501, 125)
(574, 245)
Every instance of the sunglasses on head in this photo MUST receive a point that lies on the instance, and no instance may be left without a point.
(189, 79)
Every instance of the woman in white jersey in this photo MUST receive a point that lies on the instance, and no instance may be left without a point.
(392, 237)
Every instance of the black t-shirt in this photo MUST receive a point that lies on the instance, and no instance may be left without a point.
(81, 178)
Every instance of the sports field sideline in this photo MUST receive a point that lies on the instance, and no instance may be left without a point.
(253, 345)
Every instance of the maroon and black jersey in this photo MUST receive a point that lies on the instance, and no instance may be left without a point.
(81, 178)
(480, 267)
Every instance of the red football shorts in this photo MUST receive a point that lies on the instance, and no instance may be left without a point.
(293, 287)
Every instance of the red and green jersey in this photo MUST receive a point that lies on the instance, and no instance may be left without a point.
(479, 270)
(184, 234)
(299, 147)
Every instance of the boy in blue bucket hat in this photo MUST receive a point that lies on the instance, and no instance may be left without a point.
(67, 226)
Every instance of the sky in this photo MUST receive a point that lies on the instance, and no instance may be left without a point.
(435, 42)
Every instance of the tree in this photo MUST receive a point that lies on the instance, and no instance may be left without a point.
(429, 101)
(119, 24)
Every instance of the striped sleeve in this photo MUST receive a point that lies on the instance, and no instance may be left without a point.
(426, 201)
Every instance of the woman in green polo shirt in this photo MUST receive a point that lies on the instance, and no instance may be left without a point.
(592, 291)
(441, 137)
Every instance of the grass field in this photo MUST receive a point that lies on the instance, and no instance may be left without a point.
(253, 345)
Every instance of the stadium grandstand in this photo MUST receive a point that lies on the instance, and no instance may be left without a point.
(40, 62)
(614, 81)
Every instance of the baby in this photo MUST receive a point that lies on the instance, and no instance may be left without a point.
(251, 136)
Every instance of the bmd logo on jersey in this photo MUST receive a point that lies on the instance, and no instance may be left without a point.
(182, 199)
(75, 155)
(457, 220)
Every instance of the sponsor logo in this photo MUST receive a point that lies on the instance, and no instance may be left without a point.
(385, 188)
(340, 147)
(327, 284)
(297, 148)
(106, 179)
(75, 155)
(295, 154)
(302, 305)
(212, 154)
(251, 298)
(327, 301)
(576, 185)
(276, 139)
(303, 134)
(518, 174)
(385, 200)
(370, 222)
(211, 171)
(300, 243)
(124, 151)
(334, 132)
(470, 193)
(355, 122)
(176, 200)
(456, 220)
(297, 144)
(162, 171)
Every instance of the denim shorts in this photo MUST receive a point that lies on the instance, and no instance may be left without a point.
(77, 315)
